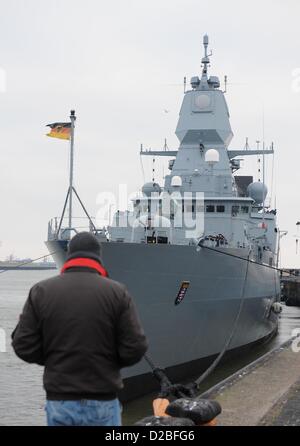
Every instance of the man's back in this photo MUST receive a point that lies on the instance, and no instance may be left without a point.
(83, 328)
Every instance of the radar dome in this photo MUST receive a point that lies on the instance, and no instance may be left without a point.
(212, 156)
(151, 188)
(176, 181)
(258, 191)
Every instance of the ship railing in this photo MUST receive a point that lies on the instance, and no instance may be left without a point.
(57, 231)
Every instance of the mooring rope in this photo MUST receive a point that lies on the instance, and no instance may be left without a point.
(246, 259)
(19, 265)
(215, 363)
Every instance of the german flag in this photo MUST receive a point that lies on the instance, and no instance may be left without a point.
(61, 130)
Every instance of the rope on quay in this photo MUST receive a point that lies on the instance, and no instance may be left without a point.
(212, 367)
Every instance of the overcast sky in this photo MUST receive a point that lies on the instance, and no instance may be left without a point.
(120, 64)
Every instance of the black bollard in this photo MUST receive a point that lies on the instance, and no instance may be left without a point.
(164, 421)
(200, 411)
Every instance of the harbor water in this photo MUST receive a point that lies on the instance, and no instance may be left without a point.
(22, 398)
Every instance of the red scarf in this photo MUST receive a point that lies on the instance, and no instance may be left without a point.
(85, 263)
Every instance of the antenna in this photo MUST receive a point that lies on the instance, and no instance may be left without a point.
(184, 84)
(280, 235)
(263, 124)
(264, 160)
(141, 161)
(297, 236)
(258, 160)
(225, 84)
(166, 145)
(205, 60)
(205, 43)
(264, 181)
(272, 175)
(153, 170)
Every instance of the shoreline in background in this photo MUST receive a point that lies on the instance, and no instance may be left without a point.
(30, 266)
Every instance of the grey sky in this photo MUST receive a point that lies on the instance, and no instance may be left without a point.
(120, 65)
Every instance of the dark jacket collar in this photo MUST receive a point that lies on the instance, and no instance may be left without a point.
(84, 255)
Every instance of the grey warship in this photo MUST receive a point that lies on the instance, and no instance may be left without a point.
(188, 284)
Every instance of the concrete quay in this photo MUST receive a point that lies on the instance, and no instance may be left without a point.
(264, 393)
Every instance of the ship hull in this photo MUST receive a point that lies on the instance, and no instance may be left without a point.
(183, 337)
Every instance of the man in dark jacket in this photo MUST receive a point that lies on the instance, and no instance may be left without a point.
(83, 327)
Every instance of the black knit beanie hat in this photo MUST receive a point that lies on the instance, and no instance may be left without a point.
(86, 245)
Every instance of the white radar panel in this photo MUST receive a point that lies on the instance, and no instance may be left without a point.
(202, 102)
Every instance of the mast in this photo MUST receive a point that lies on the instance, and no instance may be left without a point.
(71, 188)
(73, 119)
(205, 60)
(264, 178)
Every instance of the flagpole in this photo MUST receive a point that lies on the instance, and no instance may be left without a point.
(73, 119)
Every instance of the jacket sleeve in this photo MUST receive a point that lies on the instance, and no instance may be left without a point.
(131, 340)
(27, 339)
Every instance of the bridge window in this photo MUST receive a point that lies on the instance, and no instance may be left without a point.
(245, 209)
(220, 208)
(189, 207)
(163, 240)
(210, 208)
(151, 239)
(235, 210)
